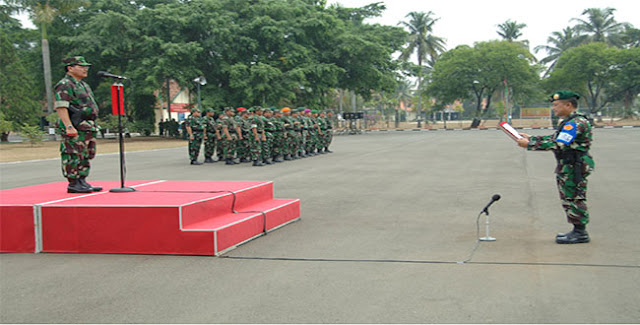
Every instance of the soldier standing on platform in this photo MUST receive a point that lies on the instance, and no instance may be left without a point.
(78, 112)
(570, 144)
(196, 129)
(212, 134)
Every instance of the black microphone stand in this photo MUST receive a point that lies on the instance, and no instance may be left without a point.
(119, 92)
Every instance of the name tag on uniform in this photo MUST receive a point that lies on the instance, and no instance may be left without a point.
(568, 134)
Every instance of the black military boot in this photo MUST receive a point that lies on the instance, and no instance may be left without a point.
(195, 162)
(76, 187)
(257, 163)
(83, 181)
(230, 161)
(209, 160)
(267, 161)
(327, 150)
(278, 159)
(288, 157)
(576, 236)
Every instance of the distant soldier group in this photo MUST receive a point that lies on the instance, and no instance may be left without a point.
(263, 136)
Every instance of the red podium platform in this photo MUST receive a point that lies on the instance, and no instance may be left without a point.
(160, 217)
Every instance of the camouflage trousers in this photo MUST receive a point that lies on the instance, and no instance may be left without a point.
(242, 147)
(227, 147)
(277, 147)
(574, 198)
(255, 148)
(328, 137)
(194, 146)
(76, 152)
(267, 146)
(292, 143)
(210, 145)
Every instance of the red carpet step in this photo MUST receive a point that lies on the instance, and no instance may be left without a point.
(160, 217)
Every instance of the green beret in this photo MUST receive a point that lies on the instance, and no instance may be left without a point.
(314, 111)
(207, 110)
(194, 110)
(75, 60)
(226, 109)
(564, 94)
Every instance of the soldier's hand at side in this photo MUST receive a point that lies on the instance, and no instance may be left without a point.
(523, 142)
(191, 137)
(71, 131)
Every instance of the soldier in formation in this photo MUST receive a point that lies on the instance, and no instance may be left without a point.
(263, 136)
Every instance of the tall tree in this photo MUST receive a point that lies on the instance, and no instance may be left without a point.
(559, 42)
(510, 30)
(601, 26)
(43, 12)
(17, 104)
(423, 43)
(479, 72)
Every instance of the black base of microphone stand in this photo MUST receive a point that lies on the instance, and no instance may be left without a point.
(122, 189)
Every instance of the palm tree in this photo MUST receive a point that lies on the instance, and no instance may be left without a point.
(510, 30)
(559, 43)
(403, 94)
(601, 26)
(422, 42)
(42, 13)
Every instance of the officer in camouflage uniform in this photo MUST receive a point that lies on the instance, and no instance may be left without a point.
(279, 136)
(328, 136)
(570, 144)
(252, 137)
(78, 112)
(212, 134)
(290, 133)
(269, 134)
(322, 139)
(242, 144)
(196, 129)
(228, 135)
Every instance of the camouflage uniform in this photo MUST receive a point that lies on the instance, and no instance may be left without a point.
(76, 152)
(322, 138)
(227, 144)
(570, 144)
(252, 144)
(269, 133)
(328, 136)
(197, 125)
(211, 142)
(278, 138)
(290, 136)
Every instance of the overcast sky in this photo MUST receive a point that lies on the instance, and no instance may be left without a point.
(466, 22)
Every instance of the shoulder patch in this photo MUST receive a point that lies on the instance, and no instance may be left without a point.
(568, 134)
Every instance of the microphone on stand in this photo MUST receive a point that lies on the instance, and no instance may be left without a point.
(494, 198)
(104, 74)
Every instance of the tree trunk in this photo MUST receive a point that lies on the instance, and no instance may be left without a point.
(46, 62)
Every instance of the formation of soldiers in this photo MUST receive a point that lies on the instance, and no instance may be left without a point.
(263, 136)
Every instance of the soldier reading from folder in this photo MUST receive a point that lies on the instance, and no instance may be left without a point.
(570, 144)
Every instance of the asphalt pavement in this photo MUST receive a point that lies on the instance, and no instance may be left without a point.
(388, 234)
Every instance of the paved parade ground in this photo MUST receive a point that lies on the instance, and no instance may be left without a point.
(387, 221)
